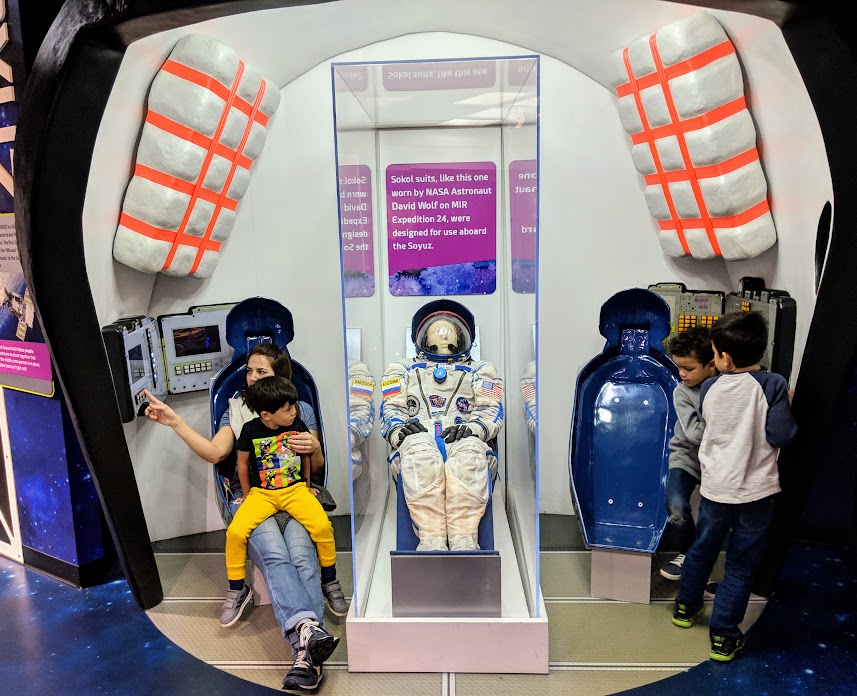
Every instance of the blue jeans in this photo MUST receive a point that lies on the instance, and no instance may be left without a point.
(289, 563)
(749, 523)
(680, 485)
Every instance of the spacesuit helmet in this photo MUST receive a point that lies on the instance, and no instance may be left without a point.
(442, 331)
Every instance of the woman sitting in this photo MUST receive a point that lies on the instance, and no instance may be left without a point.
(280, 546)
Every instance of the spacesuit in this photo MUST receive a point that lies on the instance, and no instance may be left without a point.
(361, 412)
(440, 412)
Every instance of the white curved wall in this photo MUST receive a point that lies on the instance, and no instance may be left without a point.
(596, 236)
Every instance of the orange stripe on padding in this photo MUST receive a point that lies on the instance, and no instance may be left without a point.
(725, 222)
(695, 123)
(226, 184)
(163, 235)
(700, 60)
(712, 170)
(181, 186)
(682, 145)
(638, 102)
(177, 129)
(185, 72)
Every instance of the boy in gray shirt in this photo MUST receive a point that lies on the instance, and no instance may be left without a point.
(747, 419)
(692, 353)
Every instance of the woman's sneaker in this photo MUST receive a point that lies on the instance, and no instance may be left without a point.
(724, 648)
(710, 590)
(672, 570)
(233, 607)
(303, 676)
(684, 616)
(336, 601)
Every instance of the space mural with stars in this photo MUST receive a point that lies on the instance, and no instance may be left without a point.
(58, 507)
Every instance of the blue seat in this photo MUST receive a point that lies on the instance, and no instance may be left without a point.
(251, 322)
(622, 423)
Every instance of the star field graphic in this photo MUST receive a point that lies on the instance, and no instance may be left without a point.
(804, 644)
(41, 475)
(60, 640)
(477, 278)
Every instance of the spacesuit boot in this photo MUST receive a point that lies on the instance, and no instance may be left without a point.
(468, 473)
(422, 477)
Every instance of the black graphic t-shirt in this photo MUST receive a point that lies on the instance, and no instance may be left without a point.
(276, 464)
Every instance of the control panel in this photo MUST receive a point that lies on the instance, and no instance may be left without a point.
(689, 308)
(195, 347)
(136, 362)
(780, 311)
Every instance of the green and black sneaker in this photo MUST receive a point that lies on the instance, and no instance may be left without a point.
(684, 616)
(724, 648)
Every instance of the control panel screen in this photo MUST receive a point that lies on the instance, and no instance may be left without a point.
(196, 340)
(136, 363)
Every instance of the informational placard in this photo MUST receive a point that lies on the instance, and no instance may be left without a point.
(442, 228)
(522, 71)
(434, 75)
(523, 196)
(25, 362)
(355, 219)
(351, 78)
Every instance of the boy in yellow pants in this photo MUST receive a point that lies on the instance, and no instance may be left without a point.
(275, 481)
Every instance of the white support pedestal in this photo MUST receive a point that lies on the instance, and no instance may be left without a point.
(622, 575)
(380, 642)
(481, 646)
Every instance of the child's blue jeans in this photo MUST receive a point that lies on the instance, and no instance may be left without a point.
(749, 523)
(680, 485)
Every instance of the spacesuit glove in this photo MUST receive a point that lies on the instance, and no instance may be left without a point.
(457, 432)
(411, 428)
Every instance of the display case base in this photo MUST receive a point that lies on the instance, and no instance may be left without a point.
(482, 646)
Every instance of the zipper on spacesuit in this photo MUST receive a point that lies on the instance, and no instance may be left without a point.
(422, 393)
(452, 396)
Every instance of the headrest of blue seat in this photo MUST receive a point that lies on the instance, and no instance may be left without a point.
(258, 320)
(638, 309)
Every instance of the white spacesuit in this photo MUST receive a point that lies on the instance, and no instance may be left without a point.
(439, 412)
(361, 412)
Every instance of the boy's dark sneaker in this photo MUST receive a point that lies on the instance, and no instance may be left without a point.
(316, 642)
(233, 607)
(710, 590)
(303, 676)
(672, 570)
(724, 648)
(684, 616)
(336, 601)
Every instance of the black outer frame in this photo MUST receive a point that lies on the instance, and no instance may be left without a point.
(64, 102)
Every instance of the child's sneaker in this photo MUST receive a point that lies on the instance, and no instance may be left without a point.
(336, 601)
(672, 570)
(710, 590)
(233, 607)
(684, 616)
(303, 676)
(316, 642)
(724, 648)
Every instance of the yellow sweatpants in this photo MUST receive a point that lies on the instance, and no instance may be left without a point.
(259, 505)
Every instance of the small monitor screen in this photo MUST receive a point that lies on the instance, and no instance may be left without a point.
(136, 363)
(196, 340)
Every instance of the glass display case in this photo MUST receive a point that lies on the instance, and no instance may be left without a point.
(437, 165)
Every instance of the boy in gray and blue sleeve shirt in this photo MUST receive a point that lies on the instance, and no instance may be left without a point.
(746, 420)
(692, 353)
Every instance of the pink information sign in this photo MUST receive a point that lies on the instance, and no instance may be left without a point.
(523, 195)
(442, 216)
(29, 360)
(355, 217)
(432, 75)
